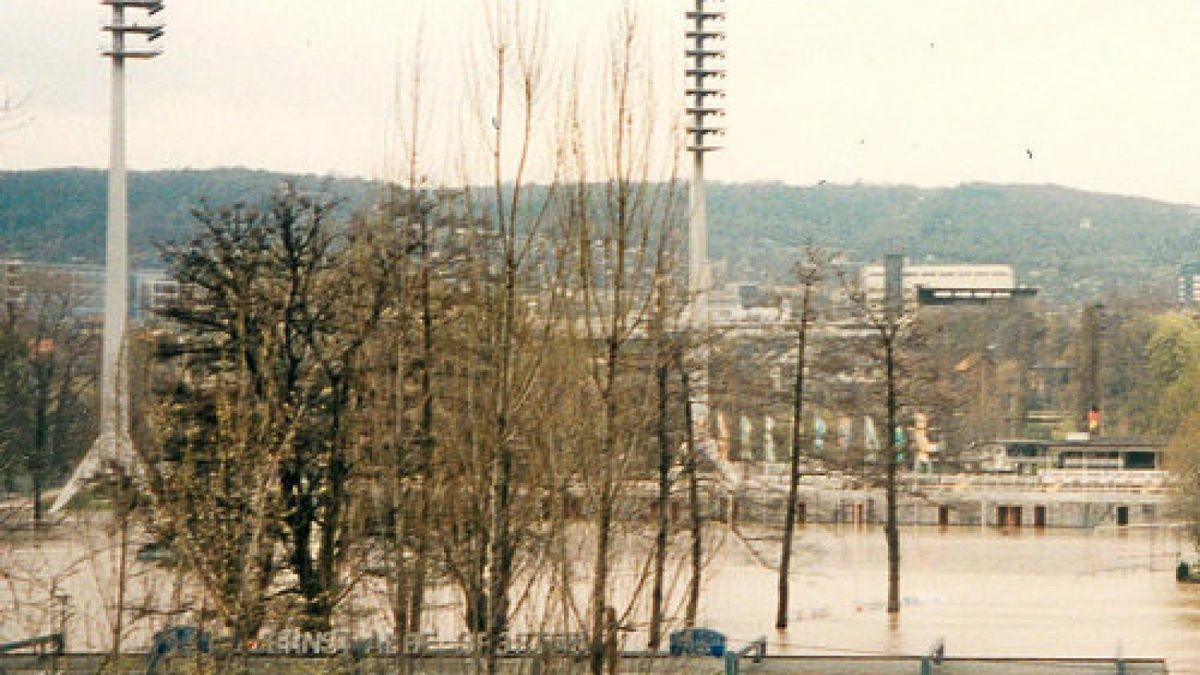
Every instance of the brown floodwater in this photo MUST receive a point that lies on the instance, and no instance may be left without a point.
(985, 592)
(1062, 593)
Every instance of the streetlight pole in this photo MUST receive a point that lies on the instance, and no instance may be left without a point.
(131, 39)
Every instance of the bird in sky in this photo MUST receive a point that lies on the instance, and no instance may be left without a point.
(1029, 153)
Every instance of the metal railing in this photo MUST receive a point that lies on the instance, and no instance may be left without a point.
(757, 649)
(56, 640)
(934, 657)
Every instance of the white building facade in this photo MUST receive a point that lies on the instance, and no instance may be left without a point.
(957, 277)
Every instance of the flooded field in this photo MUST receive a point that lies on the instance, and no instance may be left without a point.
(986, 592)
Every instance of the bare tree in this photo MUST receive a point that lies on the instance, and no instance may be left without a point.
(888, 332)
(446, 383)
(622, 229)
(887, 321)
(270, 347)
(498, 331)
(218, 504)
(48, 378)
(667, 344)
(809, 272)
(691, 471)
(411, 405)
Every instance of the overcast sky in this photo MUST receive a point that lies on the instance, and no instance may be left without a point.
(1104, 95)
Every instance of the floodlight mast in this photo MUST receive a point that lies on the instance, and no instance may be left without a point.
(704, 52)
(114, 447)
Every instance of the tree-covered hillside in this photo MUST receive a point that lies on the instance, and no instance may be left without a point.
(59, 214)
(1075, 245)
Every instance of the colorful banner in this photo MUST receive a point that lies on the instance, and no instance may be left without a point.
(845, 432)
(722, 436)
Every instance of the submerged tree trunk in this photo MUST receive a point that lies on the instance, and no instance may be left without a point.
(662, 372)
(689, 468)
(498, 553)
(40, 434)
(600, 610)
(608, 453)
(789, 525)
(425, 440)
(37, 498)
(124, 506)
(890, 528)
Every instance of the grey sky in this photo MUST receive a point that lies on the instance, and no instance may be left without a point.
(933, 92)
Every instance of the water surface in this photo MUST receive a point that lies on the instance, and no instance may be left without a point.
(987, 592)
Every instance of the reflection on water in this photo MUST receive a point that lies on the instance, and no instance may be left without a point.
(987, 592)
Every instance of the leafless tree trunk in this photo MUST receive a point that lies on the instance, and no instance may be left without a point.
(622, 226)
(508, 328)
(887, 322)
(693, 486)
(667, 346)
(809, 272)
(123, 511)
(891, 530)
(43, 357)
(665, 461)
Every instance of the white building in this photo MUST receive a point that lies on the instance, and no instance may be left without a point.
(1189, 284)
(957, 277)
(153, 292)
(21, 281)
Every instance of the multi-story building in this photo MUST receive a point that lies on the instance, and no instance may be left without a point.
(1189, 284)
(956, 276)
(20, 281)
(153, 292)
(945, 283)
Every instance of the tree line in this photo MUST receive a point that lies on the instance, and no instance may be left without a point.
(453, 388)
(1133, 247)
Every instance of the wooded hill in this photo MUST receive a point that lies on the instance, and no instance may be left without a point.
(1075, 245)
